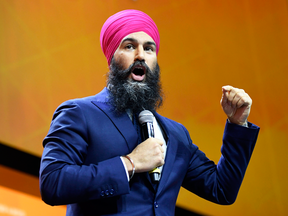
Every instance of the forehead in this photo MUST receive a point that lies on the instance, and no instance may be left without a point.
(139, 37)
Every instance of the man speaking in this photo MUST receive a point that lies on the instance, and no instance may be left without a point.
(95, 160)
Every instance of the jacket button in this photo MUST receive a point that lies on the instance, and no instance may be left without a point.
(102, 193)
(112, 191)
(107, 192)
(156, 205)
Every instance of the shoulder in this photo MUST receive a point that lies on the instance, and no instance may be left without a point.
(81, 106)
(102, 96)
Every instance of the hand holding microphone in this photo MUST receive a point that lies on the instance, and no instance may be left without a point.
(149, 154)
(147, 129)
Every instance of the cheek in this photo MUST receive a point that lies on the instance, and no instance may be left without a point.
(152, 64)
(124, 60)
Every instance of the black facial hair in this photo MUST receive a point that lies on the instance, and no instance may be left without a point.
(130, 94)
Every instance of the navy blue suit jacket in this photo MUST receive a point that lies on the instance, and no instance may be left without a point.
(81, 163)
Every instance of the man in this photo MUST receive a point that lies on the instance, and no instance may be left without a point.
(94, 158)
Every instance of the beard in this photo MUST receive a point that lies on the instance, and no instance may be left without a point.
(128, 94)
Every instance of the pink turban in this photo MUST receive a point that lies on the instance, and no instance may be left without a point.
(122, 24)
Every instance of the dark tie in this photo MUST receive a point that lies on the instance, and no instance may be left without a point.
(137, 126)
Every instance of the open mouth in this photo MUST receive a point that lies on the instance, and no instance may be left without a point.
(138, 73)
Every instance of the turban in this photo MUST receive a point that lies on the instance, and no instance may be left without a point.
(122, 24)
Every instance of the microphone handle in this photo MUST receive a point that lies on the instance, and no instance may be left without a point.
(155, 175)
(147, 130)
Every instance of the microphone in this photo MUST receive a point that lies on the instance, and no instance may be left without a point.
(147, 131)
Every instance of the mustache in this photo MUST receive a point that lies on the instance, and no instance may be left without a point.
(125, 73)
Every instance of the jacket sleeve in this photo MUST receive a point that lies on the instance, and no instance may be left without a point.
(220, 183)
(64, 177)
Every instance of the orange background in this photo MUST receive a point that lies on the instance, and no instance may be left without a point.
(50, 53)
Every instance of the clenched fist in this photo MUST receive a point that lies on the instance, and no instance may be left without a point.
(236, 104)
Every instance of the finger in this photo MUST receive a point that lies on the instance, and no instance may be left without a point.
(161, 149)
(157, 148)
(224, 98)
(229, 93)
(161, 163)
(237, 98)
(160, 156)
(160, 142)
(234, 95)
(227, 88)
(245, 100)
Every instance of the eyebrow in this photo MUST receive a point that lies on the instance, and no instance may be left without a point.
(136, 41)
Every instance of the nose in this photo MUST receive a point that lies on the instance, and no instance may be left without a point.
(140, 54)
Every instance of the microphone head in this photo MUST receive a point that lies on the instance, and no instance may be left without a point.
(145, 116)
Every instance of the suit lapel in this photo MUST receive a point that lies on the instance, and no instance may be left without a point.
(121, 121)
(171, 150)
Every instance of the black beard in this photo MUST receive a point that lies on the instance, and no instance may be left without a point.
(129, 94)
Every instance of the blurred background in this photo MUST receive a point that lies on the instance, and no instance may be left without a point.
(50, 52)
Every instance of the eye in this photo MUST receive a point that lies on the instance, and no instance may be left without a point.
(149, 49)
(129, 46)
